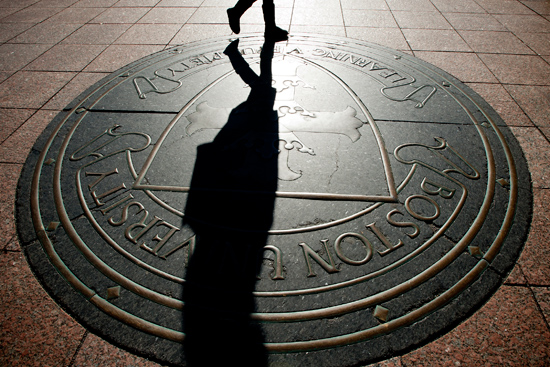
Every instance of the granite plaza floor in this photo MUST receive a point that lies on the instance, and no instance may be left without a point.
(51, 50)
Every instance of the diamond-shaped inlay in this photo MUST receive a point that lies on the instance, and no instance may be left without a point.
(52, 226)
(381, 313)
(475, 251)
(503, 182)
(113, 292)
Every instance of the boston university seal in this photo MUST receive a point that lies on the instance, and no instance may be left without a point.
(356, 205)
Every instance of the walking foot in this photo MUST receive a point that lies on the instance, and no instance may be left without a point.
(276, 34)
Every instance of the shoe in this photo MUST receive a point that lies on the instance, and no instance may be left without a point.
(276, 34)
(234, 20)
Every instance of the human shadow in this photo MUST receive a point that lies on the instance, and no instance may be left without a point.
(230, 208)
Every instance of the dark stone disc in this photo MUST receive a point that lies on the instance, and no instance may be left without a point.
(316, 202)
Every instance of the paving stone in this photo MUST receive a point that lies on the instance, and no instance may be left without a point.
(11, 119)
(435, 40)
(79, 84)
(534, 100)
(505, 7)
(510, 68)
(116, 56)
(474, 22)
(10, 30)
(524, 23)
(76, 15)
(533, 142)
(422, 20)
(149, 34)
(465, 66)
(413, 5)
(505, 105)
(46, 32)
(97, 34)
(368, 18)
(510, 321)
(16, 148)
(33, 326)
(15, 56)
(32, 15)
(121, 15)
(466, 6)
(31, 89)
(66, 58)
(542, 296)
(492, 42)
(97, 352)
(168, 15)
(389, 37)
(9, 174)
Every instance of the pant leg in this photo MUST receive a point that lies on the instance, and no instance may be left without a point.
(243, 5)
(268, 8)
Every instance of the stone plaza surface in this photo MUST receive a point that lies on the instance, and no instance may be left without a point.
(51, 51)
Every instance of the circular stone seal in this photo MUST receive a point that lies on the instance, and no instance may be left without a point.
(318, 202)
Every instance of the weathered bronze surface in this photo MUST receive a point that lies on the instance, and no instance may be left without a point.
(320, 202)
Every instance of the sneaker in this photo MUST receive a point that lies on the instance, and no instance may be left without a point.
(276, 34)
